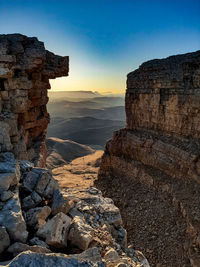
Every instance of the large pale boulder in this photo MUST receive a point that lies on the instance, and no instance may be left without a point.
(11, 217)
(55, 231)
(18, 247)
(89, 258)
(80, 233)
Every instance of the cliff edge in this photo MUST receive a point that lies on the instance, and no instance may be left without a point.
(155, 160)
(25, 70)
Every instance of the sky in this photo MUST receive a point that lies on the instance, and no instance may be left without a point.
(105, 39)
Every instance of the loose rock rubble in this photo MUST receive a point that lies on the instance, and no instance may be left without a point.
(38, 217)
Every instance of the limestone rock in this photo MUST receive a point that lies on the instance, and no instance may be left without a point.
(55, 231)
(36, 241)
(89, 258)
(17, 248)
(11, 217)
(5, 195)
(25, 70)
(46, 184)
(36, 217)
(6, 180)
(80, 233)
(4, 239)
(9, 171)
(61, 204)
(111, 256)
(31, 201)
(159, 147)
(30, 180)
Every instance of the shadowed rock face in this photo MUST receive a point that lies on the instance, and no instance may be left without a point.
(160, 145)
(25, 70)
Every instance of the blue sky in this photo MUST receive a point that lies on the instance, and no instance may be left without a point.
(105, 39)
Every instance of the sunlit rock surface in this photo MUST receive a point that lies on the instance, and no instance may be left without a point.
(25, 70)
(160, 147)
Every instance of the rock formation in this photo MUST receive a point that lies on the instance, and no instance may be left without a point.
(37, 219)
(160, 145)
(25, 70)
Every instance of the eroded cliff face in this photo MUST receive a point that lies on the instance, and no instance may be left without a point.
(160, 146)
(25, 70)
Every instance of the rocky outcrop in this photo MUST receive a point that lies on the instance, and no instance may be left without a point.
(25, 70)
(36, 216)
(160, 145)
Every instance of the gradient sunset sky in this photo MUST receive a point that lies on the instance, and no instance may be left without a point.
(105, 39)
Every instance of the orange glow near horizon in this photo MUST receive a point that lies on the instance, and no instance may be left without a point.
(102, 85)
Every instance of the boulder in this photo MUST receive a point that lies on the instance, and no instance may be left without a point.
(4, 239)
(89, 258)
(36, 217)
(80, 233)
(6, 195)
(29, 181)
(36, 241)
(46, 184)
(18, 247)
(11, 217)
(55, 231)
(31, 201)
(6, 179)
(61, 204)
(111, 256)
(9, 170)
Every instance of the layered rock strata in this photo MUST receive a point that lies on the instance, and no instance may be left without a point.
(160, 145)
(25, 70)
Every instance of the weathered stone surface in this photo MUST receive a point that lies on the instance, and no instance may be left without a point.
(55, 231)
(11, 217)
(31, 201)
(61, 204)
(4, 239)
(17, 248)
(30, 180)
(36, 241)
(36, 217)
(80, 233)
(89, 258)
(5, 195)
(46, 184)
(25, 70)
(9, 171)
(160, 145)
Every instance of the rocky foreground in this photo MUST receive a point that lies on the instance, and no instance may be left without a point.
(36, 216)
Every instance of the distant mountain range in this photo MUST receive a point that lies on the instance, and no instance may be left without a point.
(86, 120)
